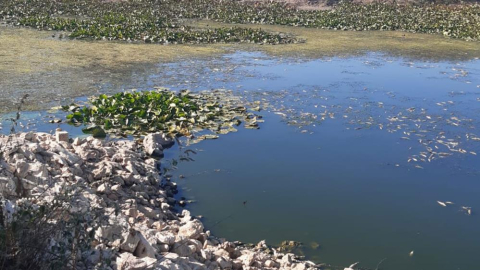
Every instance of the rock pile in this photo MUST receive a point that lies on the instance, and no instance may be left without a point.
(139, 228)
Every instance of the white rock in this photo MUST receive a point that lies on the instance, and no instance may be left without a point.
(171, 256)
(130, 241)
(22, 168)
(206, 254)
(248, 258)
(183, 249)
(224, 263)
(103, 189)
(152, 145)
(144, 249)
(126, 261)
(169, 265)
(191, 229)
(271, 264)
(221, 253)
(61, 136)
(286, 260)
(299, 266)
(165, 237)
(149, 212)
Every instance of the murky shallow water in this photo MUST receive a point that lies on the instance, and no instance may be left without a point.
(353, 156)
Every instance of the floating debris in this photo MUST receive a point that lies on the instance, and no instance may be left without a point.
(314, 245)
(289, 246)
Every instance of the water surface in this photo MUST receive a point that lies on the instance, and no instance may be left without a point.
(351, 160)
(353, 156)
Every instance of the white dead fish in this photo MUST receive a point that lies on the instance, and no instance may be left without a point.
(448, 202)
(442, 203)
(467, 209)
(411, 253)
(351, 266)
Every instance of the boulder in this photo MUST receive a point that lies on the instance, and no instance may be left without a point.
(61, 136)
(224, 263)
(165, 237)
(130, 241)
(192, 229)
(155, 143)
(183, 249)
(144, 249)
(126, 261)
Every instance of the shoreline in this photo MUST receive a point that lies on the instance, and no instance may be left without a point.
(69, 69)
(117, 188)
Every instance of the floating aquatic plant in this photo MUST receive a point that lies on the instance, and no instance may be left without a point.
(149, 21)
(164, 21)
(183, 113)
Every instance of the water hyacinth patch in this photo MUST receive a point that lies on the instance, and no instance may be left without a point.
(163, 21)
(151, 30)
(148, 21)
(178, 114)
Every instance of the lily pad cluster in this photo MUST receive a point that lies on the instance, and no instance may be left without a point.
(179, 114)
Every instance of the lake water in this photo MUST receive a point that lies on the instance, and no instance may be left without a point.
(338, 161)
(351, 160)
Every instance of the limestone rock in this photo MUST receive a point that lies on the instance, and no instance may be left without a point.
(191, 229)
(165, 237)
(130, 241)
(144, 249)
(126, 261)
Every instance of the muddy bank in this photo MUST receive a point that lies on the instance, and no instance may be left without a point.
(128, 220)
(49, 69)
(329, 43)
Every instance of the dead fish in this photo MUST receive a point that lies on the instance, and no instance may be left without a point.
(411, 253)
(442, 203)
(351, 266)
(467, 209)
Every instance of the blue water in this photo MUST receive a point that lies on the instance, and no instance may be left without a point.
(353, 156)
(343, 182)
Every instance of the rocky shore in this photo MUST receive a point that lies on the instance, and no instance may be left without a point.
(116, 189)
